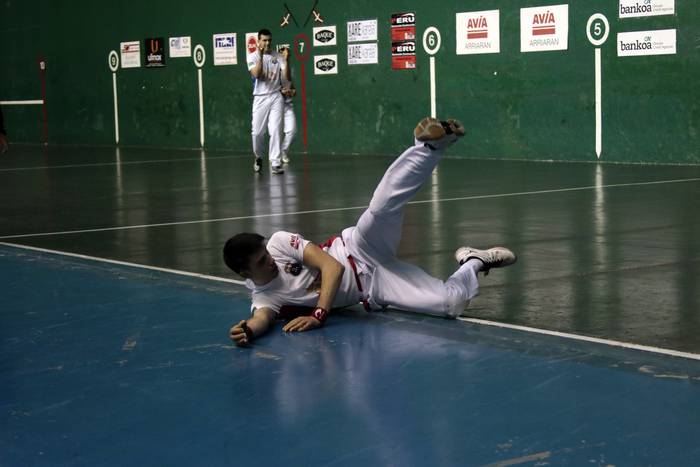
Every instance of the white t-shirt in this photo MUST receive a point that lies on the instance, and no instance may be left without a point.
(296, 285)
(270, 80)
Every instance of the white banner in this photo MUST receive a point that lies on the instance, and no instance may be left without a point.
(225, 49)
(326, 64)
(478, 32)
(362, 54)
(180, 46)
(130, 54)
(251, 42)
(660, 42)
(637, 8)
(325, 35)
(544, 28)
(359, 31)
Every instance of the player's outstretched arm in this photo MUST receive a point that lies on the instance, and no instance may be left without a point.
(243, 333)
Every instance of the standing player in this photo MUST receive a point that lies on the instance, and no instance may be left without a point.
(268, 68)
(290, 275)
(290, 121)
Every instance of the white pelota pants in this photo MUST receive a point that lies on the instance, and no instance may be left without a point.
(290, 126)
(267, 117)
(373, 242)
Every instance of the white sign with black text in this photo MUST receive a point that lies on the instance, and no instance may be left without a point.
(363, 54)
(180, 46)
(360, 31)
(637, 8)
(225, 49)
(659, 42)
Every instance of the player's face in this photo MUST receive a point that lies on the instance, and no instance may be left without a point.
(261, 267)
(265, 43)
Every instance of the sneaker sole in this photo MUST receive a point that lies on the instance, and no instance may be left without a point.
(457, 127)
(429, 129)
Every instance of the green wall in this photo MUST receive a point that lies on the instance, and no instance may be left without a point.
(516, 105)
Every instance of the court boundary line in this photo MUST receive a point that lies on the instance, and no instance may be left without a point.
(109, 164)
(581, 337)
(318, 211)
(476, 321)
(125, 263)
(25, 102)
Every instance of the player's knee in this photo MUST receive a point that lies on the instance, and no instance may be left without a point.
(456, 300)
(455, 308)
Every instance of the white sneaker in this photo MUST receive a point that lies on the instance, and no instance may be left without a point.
(285, 158)
(257, 165)
(496, 257)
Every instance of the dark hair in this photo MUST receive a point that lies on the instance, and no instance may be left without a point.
(239, 248)
(264, 32)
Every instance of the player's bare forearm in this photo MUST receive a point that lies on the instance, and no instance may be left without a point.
(256, 71)
(287, 71)
(331, 273)
(261, 320)
(243, 333)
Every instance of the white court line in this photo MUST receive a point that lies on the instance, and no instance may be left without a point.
(319, 211)
(564, 335)
(100, 164)
(578, 337)
(124, 263)
(32, 102)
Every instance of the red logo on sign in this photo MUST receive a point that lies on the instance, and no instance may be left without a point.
(477, 28)
(544, 24)
(252, 44)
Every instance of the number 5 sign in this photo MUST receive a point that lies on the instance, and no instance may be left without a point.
(597, 30)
